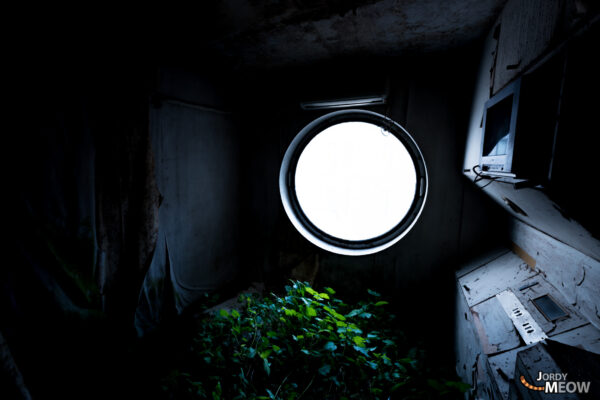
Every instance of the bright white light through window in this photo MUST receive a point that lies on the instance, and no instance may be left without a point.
(355, 181)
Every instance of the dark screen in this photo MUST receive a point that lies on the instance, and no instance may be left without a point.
(497, 127)
(549, 308)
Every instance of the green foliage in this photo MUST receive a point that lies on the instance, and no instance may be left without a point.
(74, 256)
(304, 344)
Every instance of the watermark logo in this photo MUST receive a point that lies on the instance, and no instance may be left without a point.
(556, 383)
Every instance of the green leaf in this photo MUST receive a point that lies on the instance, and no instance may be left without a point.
(381, 303)
(290, 313)
(334, 313)
(265, 353)
(360, 341)
(354, 313)
(267, 366)
(461, 386)
(397, 386)
(362, 350)
(329, 290)
(276, 348)
(373, 293)
(376, 391)
(371, 364)
(235, 314)
(324, 295)
(216, 394)
(324, 370)
(223, 313)
(311, 312)
(306, 301)
(436, 385)
(330, 346)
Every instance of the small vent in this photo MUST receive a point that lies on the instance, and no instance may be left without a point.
(528, 328)
(517, 312)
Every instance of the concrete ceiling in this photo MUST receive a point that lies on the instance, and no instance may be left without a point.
(274, 33)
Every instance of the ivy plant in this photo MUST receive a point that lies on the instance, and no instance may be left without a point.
(305, 344)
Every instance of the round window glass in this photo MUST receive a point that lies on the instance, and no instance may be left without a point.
(353, 182)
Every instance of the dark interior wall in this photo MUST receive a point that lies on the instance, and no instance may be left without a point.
(107, 162)
(574, 162)
(202, 208)
(217, 141)
(432, 103)
(81, 159)
(81, 220)
(196, 146)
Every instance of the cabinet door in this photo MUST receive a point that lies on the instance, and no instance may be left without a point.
(528, 28)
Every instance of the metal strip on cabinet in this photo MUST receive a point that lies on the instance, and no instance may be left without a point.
(529, 330)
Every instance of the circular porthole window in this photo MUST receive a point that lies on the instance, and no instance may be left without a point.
(353, 182)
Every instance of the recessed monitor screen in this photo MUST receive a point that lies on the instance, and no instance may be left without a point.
(549, 308)
(497, 128)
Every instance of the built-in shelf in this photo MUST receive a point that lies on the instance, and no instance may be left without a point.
(532, 206)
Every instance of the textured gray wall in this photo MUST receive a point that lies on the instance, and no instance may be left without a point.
(196, 152)
(197, 173)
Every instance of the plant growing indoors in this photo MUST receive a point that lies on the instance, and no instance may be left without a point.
(305, 344)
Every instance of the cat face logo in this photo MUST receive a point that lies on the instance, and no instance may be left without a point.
(556, 383)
